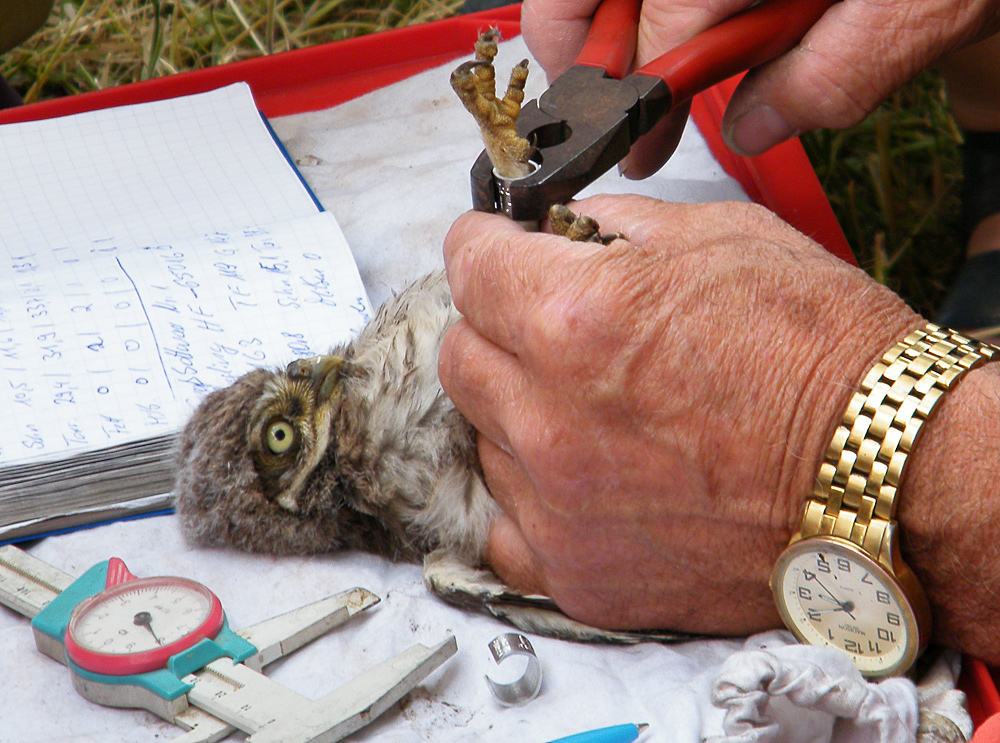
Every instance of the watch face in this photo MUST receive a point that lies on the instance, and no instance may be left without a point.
(136, 626)
(830, 592)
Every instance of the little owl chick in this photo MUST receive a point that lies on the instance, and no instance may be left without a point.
(358, 449)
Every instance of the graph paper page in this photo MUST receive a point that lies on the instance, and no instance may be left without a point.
(140, 174)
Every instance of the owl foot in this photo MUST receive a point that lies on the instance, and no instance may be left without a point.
(581, 229)
(478, 589)
(475, 84)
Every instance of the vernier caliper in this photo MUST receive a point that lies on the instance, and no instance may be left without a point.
(163, 644)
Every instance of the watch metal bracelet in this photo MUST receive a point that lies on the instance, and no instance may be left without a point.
(854, 496)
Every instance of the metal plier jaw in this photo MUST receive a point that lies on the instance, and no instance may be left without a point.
(580, 128)
(592, 114)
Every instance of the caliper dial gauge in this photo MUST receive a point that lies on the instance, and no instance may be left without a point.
(136, 626)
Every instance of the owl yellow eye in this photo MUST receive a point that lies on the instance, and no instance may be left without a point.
(280, 437)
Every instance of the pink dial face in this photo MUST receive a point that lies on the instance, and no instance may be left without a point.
(136, 626)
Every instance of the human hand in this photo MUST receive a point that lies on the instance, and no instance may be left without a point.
(653, 413)
(858, 53)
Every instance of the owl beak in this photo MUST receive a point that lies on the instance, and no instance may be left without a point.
(322, 372)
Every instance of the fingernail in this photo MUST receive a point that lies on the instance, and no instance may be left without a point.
(757, 131)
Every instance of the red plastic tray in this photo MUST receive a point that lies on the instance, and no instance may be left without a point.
(325, 75)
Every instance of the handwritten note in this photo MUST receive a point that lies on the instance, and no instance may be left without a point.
(124, 345)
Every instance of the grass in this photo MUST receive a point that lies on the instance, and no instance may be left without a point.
(893, 180)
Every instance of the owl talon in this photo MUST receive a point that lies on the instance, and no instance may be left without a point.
(322, 372)
(475, 84)
(578, 228)
(465, 72)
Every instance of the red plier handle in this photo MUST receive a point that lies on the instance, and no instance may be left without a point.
(588, 118)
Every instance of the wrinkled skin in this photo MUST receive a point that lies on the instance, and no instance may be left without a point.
(651, 415)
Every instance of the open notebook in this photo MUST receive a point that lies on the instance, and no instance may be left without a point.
(153, 252)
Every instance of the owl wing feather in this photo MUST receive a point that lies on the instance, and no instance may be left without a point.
(461, 584)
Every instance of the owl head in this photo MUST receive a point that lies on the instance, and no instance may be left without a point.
(289, 427)
(257, 464)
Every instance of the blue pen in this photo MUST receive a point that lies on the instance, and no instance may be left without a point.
(613, 734)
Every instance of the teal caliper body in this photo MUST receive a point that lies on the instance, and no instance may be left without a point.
(51, 623)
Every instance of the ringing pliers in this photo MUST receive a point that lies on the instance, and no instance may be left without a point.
(589, 117)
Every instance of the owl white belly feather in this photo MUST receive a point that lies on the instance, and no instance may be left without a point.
(420, 451)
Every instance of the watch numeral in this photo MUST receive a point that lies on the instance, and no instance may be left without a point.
(804, 593)
(884, 634)
(808, 575)
(893, 619)
(843, 564)
(867, 579)
(852, 646)
(813, 614)
(822, 565)
(874, 647)
(882, 597)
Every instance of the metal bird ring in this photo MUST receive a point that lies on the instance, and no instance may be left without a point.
(525, 688)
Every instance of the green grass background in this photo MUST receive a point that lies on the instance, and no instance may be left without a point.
(893, 180)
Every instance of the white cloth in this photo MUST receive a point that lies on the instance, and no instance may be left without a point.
(682, 691)
(393, 167)
(776, 692)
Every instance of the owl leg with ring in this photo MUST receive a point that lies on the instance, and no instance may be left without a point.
(453, 579)
(475, 84)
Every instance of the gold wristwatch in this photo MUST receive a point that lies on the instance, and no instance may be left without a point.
(841, 582)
